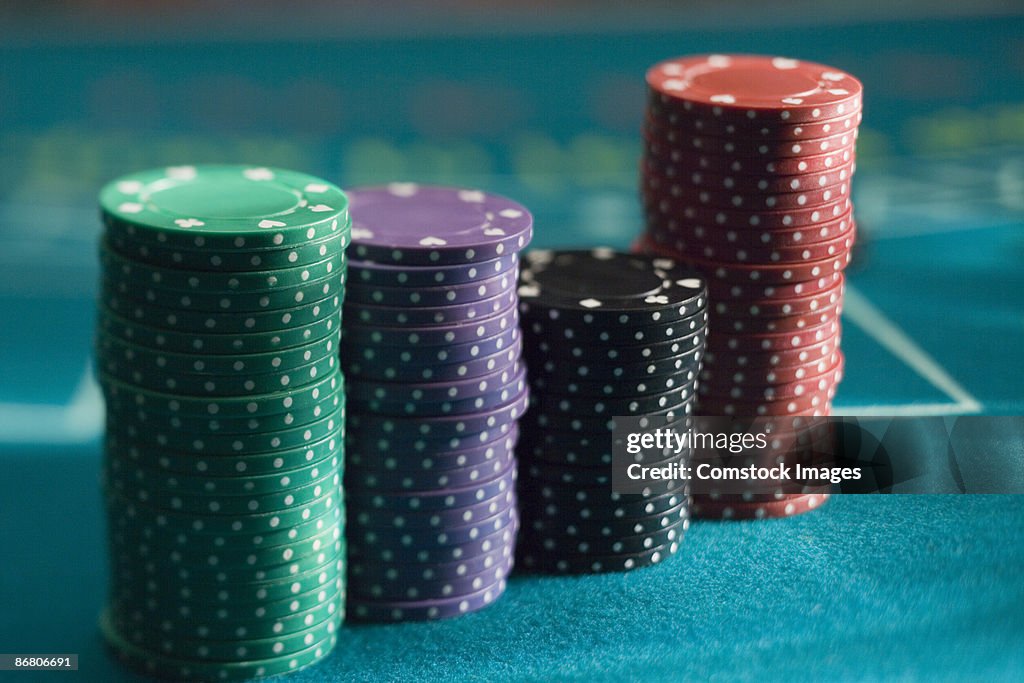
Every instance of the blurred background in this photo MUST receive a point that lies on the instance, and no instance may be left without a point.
(542, 101)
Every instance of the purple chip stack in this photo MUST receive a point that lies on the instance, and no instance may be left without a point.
(431, 346)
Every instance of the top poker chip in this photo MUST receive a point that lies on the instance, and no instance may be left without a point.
(755, 88)
(215, 206)
(602, 283)
(405, 223)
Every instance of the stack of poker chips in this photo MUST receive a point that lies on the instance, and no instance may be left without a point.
(217, 345)
(432, 348)
(746, 176)
(606, 334)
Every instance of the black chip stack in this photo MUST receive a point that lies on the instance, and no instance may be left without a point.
(605, 334)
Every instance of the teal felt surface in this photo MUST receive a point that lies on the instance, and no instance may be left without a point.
(867, 588)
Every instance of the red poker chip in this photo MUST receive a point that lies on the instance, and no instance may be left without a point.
(781, 325)
(752, 289)
(772, 392)
(664, 230)
(776, 342)
(771, 375)
(767, 148)
(779, 307)
(731, 272)
(672, 118)
(655, 186)
(815, 404)
(800, 277)
(715, 250)
(690, 160)
(749, 184)
(748, 88)
(746, 219)
(706, 507)
(721, 359)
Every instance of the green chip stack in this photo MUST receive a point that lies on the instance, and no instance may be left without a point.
(217, 351)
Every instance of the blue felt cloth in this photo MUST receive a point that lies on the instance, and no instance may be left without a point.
(868, 588)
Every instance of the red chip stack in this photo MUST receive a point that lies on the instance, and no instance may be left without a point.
(746, 176)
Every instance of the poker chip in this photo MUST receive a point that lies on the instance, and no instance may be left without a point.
(606, 334)
(750, 91)
(217, 352)
(437, 386)
(746, 178)
(409, 224)
(659, 174)
(772, 506)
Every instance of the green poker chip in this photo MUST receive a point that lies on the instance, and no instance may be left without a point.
(238, 464)
(212, 364)
(267, 521)
(218, 206)
(208, 574)
(210, 650)
(223, 407)
(205, 425)
(220, 486)
(217, 353)
(225, 444)
(228, 259)
(196, 322)
(216, 385)
(232, 344)
(141, 578)
(150, 492)
(120, 520)
(153, 662)
(235, 303)
(228, 557)
(220, 624)
(121, 269)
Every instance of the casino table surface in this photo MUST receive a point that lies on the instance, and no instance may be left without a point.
(868, 588)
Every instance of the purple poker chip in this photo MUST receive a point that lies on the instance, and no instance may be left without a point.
(433, 538)
(444, 295)
(429, 315)
(388, 551)
(381, 458)
(425, 610)
(440, 588)
(415, 477)
(448, 451)
(440, 499)
(368, 452)
(515, 383)
(434, 335)
(415, 572)
(409, 224)
(422, 355)
(370, 273)
(436, 391)
(433, 520)
(392, 371)
(403, 430)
